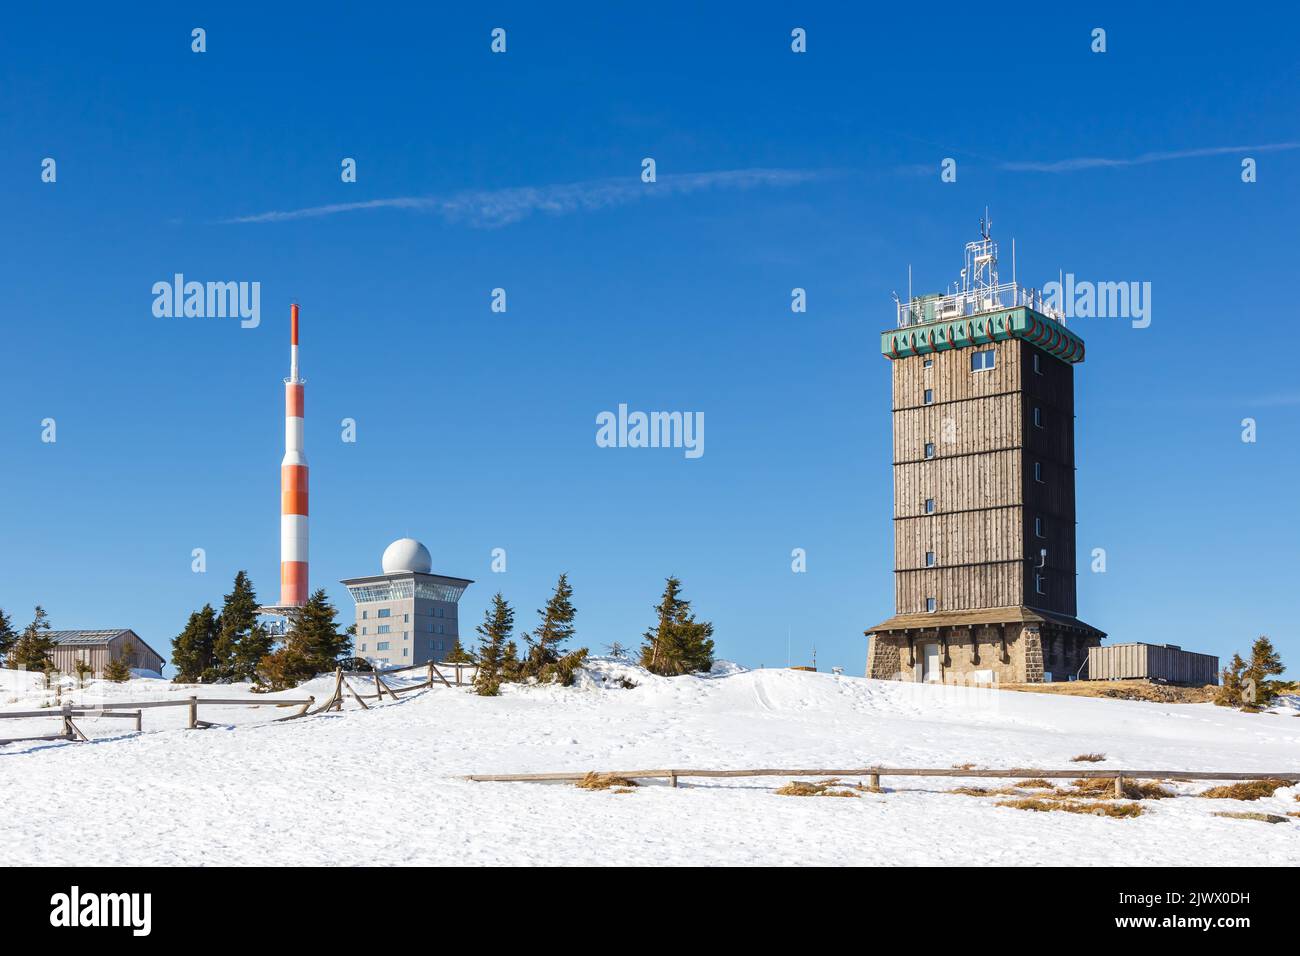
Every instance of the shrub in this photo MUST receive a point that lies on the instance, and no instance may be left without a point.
(1096, 809)
(1088, 758)
(1246, 790)
(605, 781)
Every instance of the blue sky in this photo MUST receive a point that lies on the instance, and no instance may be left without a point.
(476, 429)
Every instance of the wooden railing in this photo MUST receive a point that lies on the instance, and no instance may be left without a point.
(874, 774)
(135, 709)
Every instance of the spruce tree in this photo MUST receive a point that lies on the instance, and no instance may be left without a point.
(193, 650)
(314, 627)
(494, 634)
(8, 636)
(119, 668)
(511, 666)
(34, 649)
(677, 644)
(458, 654)
(544, 644)
(1229, 692)
(314, 644)
(1265, 662)
(81, 667)
(241, 641)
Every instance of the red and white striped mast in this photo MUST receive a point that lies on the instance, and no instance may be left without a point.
(293, 483)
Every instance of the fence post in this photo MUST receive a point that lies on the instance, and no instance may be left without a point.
(139, 714)
(458, 673)
(194, 713)
(874, 781)
(67, 719)
(431, 672)
(672, 780)
(1119, 785)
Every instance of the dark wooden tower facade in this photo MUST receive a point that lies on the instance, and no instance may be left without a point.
(984, 505)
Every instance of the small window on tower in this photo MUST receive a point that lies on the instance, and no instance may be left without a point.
(929, 506)
(1038, 528)
(384, 612)
(931, 604)
(983, 360)
(929, 396)
(1040, 584)
(364, 615)
(1038, 364)
(1038, 471)
(928, 363)
(929, 449)
(929, 559)
(1038, 417)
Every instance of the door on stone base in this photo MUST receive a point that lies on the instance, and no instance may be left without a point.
(931, 668)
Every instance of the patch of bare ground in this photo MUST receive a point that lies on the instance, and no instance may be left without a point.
(1121, 690)
(1073, 806)
(606, 781)
(1246, 790)
(1248, 815)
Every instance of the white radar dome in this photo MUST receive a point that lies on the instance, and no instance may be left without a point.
(407, 554)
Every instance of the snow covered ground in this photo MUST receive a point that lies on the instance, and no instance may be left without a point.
(384, 786)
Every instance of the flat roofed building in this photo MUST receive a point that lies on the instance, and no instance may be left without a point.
(407, 615)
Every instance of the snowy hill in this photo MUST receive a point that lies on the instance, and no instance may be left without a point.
(384, 785)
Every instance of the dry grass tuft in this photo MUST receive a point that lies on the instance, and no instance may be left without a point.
(1247, 815)
(963, 766)
(1088, 758)
(1246, 790)
(1037, 783)
(605, 781)
(1068, 806)
(822, 788)
(622, 790)
(1103, 788)
(985, 791)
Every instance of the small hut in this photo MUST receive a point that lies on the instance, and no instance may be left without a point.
(99, 647)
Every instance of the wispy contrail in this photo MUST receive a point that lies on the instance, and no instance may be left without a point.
(499, 207)
(1094, 162)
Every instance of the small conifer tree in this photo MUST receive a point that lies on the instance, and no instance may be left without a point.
(193, 650)
(494, 634)
(241, 642)
(677, 644)
(8, 636)
(1265, 662)
(545, 645)
(119, 669)
(34, 649)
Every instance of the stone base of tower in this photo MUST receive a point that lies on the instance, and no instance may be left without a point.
(1012, 645)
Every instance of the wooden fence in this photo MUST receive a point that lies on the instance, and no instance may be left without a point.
(135, 710)
(874, 774)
